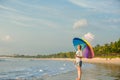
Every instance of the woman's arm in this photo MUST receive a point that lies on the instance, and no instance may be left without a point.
(78, 56)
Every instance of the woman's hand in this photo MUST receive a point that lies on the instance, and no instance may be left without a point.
(74, 62)
(79, 56)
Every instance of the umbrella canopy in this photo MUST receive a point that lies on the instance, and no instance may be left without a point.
(87, 49)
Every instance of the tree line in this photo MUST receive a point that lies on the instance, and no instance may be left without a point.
(107, 50)
(58, 55)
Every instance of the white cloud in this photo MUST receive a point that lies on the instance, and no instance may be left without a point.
(20, 18)
(89, 36)
(27, 21)
(99, 5)
(80, 23)
(6, 38)
(81, 3)
(7, 8)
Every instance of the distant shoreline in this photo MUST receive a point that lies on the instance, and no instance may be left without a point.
(114, 61)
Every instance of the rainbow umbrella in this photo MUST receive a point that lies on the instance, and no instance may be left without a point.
(87, 49)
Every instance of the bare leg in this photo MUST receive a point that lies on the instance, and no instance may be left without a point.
(79, 73)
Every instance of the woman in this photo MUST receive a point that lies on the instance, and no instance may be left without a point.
(78, 62)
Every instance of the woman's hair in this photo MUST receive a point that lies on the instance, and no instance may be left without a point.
(79, 46)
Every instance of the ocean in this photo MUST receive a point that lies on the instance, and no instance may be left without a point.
(30, 69)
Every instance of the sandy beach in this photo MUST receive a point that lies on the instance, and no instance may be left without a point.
(115, 61)
(86, 75)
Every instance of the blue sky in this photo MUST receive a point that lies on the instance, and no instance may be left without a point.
(48, 26)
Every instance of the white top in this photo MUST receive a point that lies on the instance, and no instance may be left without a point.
(78, 53)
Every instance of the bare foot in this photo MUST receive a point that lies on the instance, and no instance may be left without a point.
(77, 78)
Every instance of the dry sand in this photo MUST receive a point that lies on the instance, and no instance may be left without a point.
(115, 61)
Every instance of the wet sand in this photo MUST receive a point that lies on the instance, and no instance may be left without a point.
(103, 70)
(95, 72)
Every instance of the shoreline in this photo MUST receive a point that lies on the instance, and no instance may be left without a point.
(114, 61)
